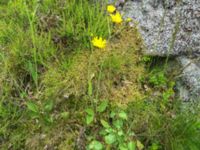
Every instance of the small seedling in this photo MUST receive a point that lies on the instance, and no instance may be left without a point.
(42, 113)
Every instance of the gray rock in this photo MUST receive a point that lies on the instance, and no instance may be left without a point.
(167, 27)
(189, 85)
(171, 28)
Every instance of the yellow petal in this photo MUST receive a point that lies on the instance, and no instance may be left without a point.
(111, 8)
(116, 18)
(99, 42)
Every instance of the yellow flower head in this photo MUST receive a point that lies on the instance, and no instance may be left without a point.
(99, 42)
(111, 8)
(116, 18)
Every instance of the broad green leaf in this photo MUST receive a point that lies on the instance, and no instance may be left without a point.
(105, 124)
(95, 145)
(112, 114)
(102, 107)
(120, 133)
(110, 139)
(140, 146)
(48, 106)
(118, 124)
(90, 116)
(32, 107)
(122, 146)
(89, 119)
(131, 146)
(123, 115)
(89, 111)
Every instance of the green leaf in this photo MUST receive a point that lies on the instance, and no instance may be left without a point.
(109, 130)
(64, 115)
(90, 116)
(131, 146)
(89, 111)
(112, 114)
(105, 124)
(154, 146)
(95, 145)
(32, 107)
(102, 107)
(118, 124)
(120, 133)
(89, 119)
(48, 119)
(123, 115)
(140, 146)
(110, 139)
(48, 106)
(33, 72)
(103, 132)
(122, 146)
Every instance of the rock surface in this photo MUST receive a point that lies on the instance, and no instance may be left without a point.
(167, 26)
(171, 28)
(189, 85)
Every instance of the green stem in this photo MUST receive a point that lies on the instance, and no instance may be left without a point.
(33, 37)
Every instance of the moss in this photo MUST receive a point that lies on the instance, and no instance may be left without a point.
(115, 72)
(60, 137)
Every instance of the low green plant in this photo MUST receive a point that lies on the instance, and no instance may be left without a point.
(91, 113)
(146, 59)
(12, 128)
(168, 92)
(157, 78)
(41, 112)
(113, 133)
(162, 125)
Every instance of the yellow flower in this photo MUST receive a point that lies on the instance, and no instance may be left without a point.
(116, 18)
(111, 8)
(99, 42)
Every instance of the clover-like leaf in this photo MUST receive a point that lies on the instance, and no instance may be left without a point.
(90, 116)
(102, 107)
(131, 145)
(95, 145)
(110, 139)
(105, 124)
(123, 115)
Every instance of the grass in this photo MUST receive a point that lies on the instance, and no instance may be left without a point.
(57, 91)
